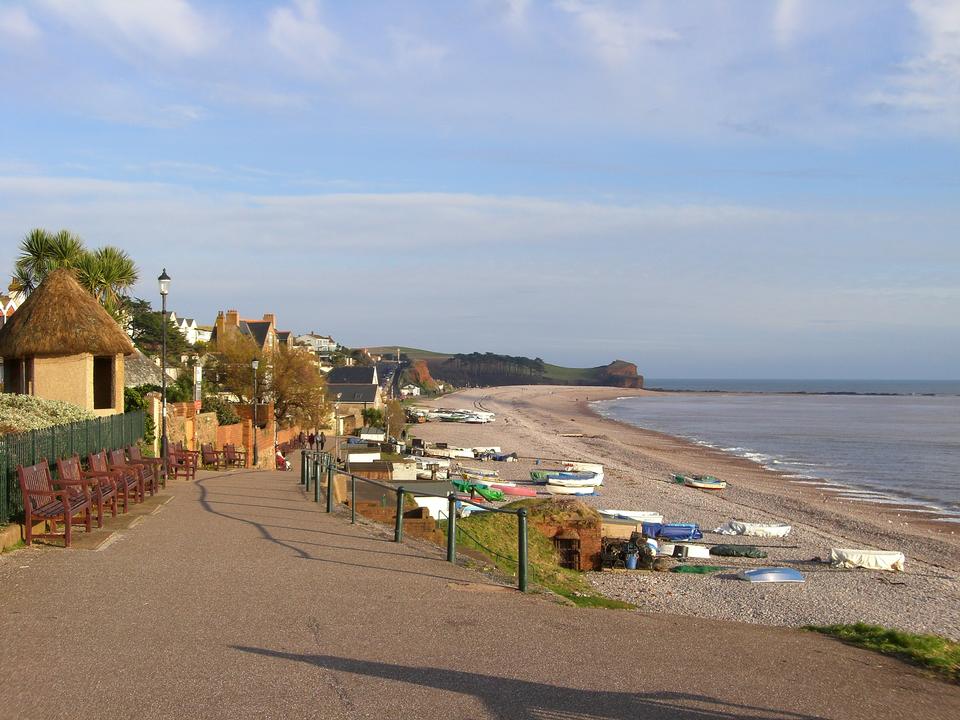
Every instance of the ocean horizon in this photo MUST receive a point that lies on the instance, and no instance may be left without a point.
(882, 443)
(800, 386)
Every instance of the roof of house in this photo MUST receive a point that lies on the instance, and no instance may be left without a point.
(352, 375)
(258, 329)
(61, 318)
(352, 393)
(283, 336)
(138, 369)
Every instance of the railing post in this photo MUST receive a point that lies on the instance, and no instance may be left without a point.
(353, 499)
(303, 467)
(522, 549)
(452, 528)
(398, 527)
(330, 489)
(312, 470)
(316, 483)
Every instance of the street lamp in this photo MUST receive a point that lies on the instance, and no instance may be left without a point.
(336, 428)
(164, 282)
(256, 453)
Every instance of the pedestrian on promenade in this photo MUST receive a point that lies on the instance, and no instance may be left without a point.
(310, 439)
(322, 440)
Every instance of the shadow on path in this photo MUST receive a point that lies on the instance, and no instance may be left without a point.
(511, 698)
(208, 506)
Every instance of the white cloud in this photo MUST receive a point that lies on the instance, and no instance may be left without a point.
(786, 21)
(516, 12)
(15, 24)
(928, 84)
(411, 51)
(167, 28)
(616, 34)
(299, 34)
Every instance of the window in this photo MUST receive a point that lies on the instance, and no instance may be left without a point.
(103, 383)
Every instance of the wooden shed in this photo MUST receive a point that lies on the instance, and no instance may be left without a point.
(61, 344)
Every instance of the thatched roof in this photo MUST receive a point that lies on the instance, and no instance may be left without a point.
(61, 318)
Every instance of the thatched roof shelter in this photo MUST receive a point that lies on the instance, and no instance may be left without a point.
(61, 318)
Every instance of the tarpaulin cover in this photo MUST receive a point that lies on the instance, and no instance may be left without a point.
(673, 531)
(737, 551)
(735, 527)
(869, 559)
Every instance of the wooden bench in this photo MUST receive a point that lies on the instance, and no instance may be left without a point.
(210, 456)
(155, 464)
(128, 483)
(233, 457)
(181, 464)
(118, 461)
(103, 488)
(42, 501)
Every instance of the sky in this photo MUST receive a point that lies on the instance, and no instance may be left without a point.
(707, 189)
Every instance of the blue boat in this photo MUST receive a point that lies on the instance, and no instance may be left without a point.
(772, 575)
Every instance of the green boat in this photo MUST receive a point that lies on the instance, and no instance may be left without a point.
(483, 491)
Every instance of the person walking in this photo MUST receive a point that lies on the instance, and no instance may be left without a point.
(322, 440)
(310, 439)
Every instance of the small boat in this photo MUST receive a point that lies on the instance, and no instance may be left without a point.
(566, 490)
(639, 515)
(704, 482)
(478, 473)
(736, 527)
(514, 490)
(771, 575)
(482, 490)
(584, 479)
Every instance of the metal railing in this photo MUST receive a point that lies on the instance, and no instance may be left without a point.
(314, 465)
(59, 441)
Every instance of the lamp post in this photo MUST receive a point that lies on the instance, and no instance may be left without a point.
(336, 428)
(164, 282)
(256, 453)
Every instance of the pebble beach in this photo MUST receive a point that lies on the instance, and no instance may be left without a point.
(547, 423)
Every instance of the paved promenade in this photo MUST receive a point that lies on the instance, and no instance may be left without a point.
(240, 598)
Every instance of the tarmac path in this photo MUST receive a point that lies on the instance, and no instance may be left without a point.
(241, 598)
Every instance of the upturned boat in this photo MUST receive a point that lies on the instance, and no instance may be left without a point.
(702, 482)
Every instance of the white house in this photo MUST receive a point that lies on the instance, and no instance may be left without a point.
(410, 391)
(321, 345)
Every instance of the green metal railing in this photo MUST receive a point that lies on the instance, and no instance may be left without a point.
(314, 465)
(59, 441)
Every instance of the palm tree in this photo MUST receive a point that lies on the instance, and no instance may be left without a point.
(107, 272)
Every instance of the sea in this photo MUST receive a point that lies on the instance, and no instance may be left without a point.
(889, 442)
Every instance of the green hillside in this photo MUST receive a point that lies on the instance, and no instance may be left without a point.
(471, 369)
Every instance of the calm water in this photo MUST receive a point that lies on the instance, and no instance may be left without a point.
(885, 449)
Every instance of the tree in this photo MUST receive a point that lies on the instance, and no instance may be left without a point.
(107, 272)
(395, 418)
(296, 388)
(230, 367)
(146, 330)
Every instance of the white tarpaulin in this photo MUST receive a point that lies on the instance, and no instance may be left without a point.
(735, 527)
(869, 559)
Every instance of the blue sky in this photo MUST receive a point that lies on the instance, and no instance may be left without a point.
(719, 189)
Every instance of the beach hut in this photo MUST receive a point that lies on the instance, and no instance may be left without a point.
(62, 345)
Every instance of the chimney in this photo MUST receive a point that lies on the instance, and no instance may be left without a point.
(271, 318)
(232, 319)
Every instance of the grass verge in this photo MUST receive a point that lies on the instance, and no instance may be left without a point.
(495, 536)
(930, 652)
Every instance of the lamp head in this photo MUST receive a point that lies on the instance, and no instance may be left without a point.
(164, 282)
(256, 364)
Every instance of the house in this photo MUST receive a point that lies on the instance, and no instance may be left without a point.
(372, 434)
(263, 332)
(61, 344)
(356, 375)
(321, 345)
(350, 400)
(9, 304)
(410, 391)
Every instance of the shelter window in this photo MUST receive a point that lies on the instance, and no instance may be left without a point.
(103, 383)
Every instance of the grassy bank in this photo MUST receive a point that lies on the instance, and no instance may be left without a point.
(495, 536)
(928, 651)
